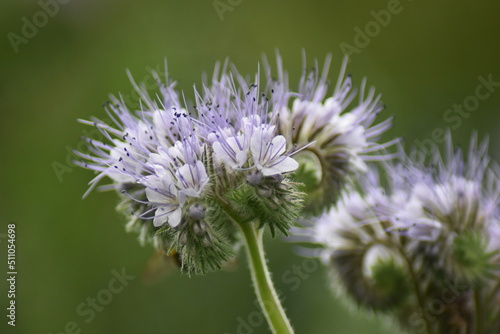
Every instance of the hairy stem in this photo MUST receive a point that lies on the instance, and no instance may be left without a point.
(418, 293)
(478, 311)
(264, 288)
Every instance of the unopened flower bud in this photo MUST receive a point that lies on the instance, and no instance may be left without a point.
(265, 192)
(183, 238)
(255, 178)
(200, 228)
(275, 179)
(206, 241)
(197, 211)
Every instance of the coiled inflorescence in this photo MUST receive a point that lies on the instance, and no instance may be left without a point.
(432, 227)
(187, 174)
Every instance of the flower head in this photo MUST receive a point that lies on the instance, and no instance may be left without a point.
(334, 133)
(231, 154)
(183, 173)
(435, 218)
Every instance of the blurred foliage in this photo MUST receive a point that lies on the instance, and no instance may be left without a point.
(427, 58)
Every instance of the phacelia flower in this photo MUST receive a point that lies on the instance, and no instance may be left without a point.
(186, 173)
(336, 135)
(436, 220)
(240, 122)
(268, 153)
(179, 174)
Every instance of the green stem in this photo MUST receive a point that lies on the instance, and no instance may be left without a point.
(478, 309)
(418, 294)
(264, 288)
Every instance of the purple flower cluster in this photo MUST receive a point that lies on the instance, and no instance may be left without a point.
(424, 199)
(422, 222)
(194, 169)
(156, 150)
(337, 133)
(243, 125)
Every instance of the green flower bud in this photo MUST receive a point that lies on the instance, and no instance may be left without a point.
(375, 278)
(275, 201)
(471, 259)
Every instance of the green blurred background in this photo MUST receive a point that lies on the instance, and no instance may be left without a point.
(428, 58)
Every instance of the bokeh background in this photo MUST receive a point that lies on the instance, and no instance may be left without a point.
(427, 59)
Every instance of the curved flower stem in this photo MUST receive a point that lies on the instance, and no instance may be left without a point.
(264, 288)
(418, 294)
(478, 311)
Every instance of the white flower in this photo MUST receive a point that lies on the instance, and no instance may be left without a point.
(178, 174)
(268, 155)
(192, 179)
(163, 195)
(233, 151)
(127, 162)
